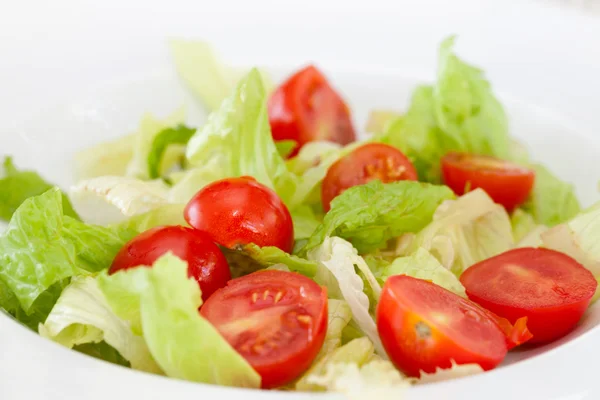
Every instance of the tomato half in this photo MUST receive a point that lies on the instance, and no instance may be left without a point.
(424, 326)
(240, 211)
(276, 320)
(549, 288)
(506, 183)
(366, 163)
(205, 261)
(306, 108)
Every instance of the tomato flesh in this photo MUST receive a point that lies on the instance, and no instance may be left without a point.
(206, 262)
(424, 326)
(549, 288)
(506, 183)
(240, 211)
(306, 108)
(366, 163)
(276, 320)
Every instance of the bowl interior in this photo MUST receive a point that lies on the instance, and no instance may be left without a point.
(47, 141)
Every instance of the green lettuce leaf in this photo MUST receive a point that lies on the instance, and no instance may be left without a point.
(171, 214)
(105, 159)
(149, 135)
(469, 116)
(238, 135)
(178, 135)
(285, 147)
(102, 351)
(251, 258)
(42, 246)
(423, 265)
(162, 303)
(552, 201)
(82, 316)
(311, 155)
(370, 215)
(465, 231)
(357, 352)
(187, 183)
(210, 81)
(305, 221)
(379, 120)
(458, 113)
(17, 186)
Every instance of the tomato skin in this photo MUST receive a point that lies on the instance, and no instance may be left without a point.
(206, 262)
(549, 288)
(264, 309)
(424, 326)
(506, 183)
(306, 108)
(368, 162)
(240, 211)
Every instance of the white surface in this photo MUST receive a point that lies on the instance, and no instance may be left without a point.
(74, 72)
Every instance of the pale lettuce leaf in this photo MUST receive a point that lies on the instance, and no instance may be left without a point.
(163, 302)
(82, 315)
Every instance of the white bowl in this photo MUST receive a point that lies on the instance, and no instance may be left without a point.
(74, 73)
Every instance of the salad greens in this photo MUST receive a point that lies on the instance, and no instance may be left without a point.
(53, 265)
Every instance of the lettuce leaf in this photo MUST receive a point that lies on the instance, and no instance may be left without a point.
(376, 379)
(378, 120)
(356, 352)
(465, 231)
(171, 214)
(112, 199)
(578, 238)
(82, 316)
(337, 260)
(238, 136)
(17, 186)
(42, 246)
(251, 258)
(210, 81)
(108, 158)
(162, 303)
(339, 316)
(178, 135)
(148, 135)
(285, 147)
(311, 155)
(370, 215)
(423, 265)
(305, 222)
(552, 201)
(458, 113)
(522, 223)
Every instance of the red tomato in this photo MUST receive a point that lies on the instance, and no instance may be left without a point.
(424, 326)
(364, 164)
(506, 183)
(205, 261)
(305, 108)
(276, 320)
(549, 288)
(239, 211)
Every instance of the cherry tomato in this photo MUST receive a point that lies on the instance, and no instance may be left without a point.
(205, 261)
(424, 326)
(239, 211)
(506, 183)
(549, 288)
(364, 164)
(276, 320)
(306, 108)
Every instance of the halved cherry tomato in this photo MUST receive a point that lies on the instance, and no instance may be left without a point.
(364, 164)
(205, 261)
(424, 326)
(549, 288)
(306, 108)
(276, 320)
(239, 211)
(506, 183)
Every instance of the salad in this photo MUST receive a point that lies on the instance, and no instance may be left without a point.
(274, 248)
